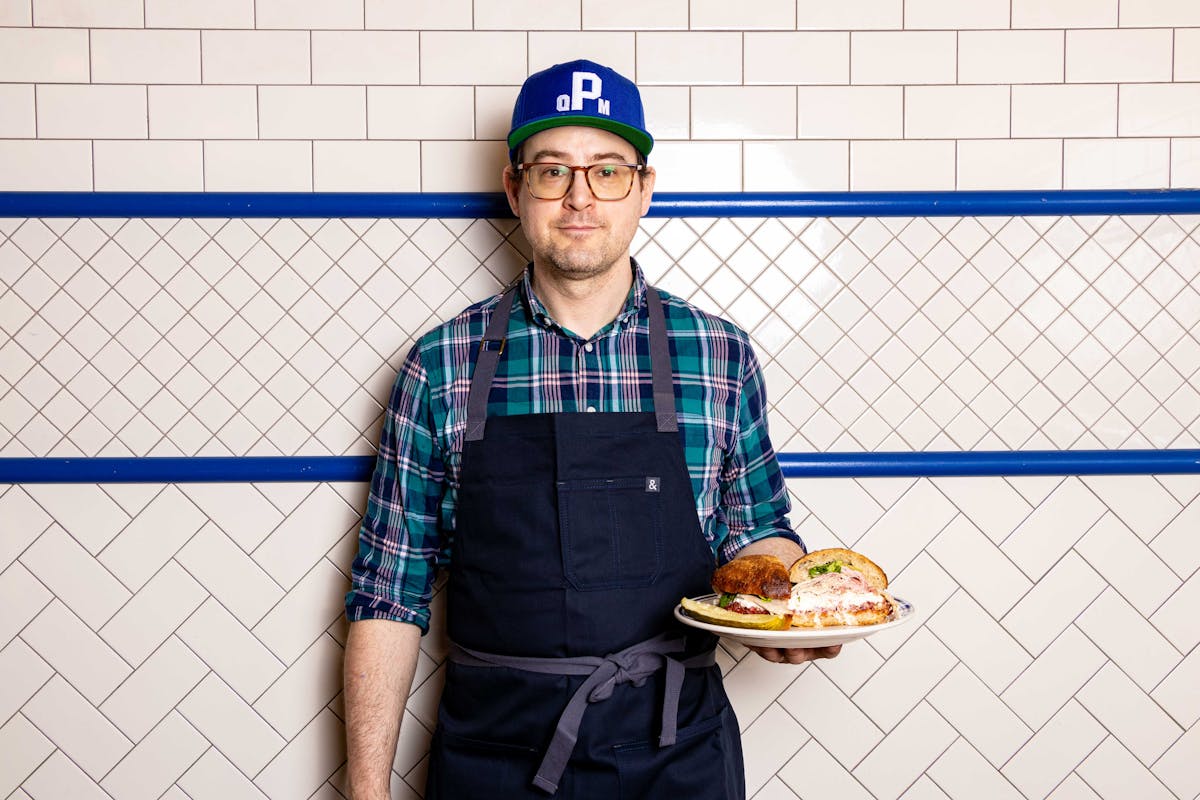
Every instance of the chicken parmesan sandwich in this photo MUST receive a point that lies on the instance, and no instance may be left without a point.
(825, 588)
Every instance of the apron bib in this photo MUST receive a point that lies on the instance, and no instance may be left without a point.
(576, 536)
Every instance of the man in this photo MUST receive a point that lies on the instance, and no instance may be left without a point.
(580, 451)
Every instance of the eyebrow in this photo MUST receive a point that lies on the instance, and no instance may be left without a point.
(540, 154)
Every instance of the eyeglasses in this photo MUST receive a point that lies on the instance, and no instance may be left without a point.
(606, 181)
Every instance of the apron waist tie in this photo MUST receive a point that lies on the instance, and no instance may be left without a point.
(633, 665)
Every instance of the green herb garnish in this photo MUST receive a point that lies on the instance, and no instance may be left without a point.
(821, 569)
(726, 599)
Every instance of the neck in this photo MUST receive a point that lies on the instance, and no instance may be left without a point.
(585, 305)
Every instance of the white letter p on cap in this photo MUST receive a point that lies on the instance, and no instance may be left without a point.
(578, 93)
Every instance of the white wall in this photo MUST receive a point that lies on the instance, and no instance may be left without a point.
(184, 640)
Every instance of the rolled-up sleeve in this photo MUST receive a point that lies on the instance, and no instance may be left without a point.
(754, 498)
(399, 541)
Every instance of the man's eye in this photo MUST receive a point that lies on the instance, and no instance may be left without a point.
(554, 172)
(608, 171)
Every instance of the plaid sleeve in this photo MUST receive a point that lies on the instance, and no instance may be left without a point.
(399, 541)
(753, 495)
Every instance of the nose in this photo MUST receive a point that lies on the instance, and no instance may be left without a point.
(579, 193)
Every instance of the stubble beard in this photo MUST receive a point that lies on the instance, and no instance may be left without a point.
(579, 261)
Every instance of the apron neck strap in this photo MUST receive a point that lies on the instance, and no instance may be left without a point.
(491, 347)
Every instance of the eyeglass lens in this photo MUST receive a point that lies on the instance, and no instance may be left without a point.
(607, 181)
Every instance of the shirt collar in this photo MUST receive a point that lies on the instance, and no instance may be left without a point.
(633, 303)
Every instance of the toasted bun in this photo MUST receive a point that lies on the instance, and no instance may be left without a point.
(761, 575)
(875, 576)
(715, 615)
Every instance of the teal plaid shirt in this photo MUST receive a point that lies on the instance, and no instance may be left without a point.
(408, 527)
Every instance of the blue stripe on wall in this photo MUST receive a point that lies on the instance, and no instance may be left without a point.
(263, 469)
(666, 204)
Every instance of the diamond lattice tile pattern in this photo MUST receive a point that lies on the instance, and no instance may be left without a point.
(213, 668)
(219, 337)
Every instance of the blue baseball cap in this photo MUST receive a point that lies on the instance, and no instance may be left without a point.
(580, 93)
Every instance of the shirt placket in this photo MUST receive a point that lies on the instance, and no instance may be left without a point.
(588, 376)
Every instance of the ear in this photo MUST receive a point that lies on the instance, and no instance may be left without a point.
(512, 189)
(647, 183)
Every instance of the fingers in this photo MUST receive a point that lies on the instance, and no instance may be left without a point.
(796, 655)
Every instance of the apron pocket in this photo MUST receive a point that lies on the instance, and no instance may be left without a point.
(611, 532)
(463, 769)
(703, 764)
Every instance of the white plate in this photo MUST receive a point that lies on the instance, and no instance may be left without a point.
(798, 637)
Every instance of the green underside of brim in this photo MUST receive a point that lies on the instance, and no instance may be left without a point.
(640, 140)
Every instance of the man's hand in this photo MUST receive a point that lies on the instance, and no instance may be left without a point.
(796, 655)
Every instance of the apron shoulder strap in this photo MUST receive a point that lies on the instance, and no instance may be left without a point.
(490, 349)
(660, 365)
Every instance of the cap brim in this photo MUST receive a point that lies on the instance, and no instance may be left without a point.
(638, 138)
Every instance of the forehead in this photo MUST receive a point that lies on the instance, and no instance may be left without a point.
(579, 142)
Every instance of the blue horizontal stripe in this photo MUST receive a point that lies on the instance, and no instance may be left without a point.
(488, 205)
(262, 469)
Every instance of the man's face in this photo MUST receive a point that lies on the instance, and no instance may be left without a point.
(578, 236)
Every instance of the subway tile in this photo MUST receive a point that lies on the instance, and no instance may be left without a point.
(24, 748)
(1128, 639)
(308, 14)
(366, 166)
(768, 743)
(1118, 56)
(814, 771)
(234, 728)
(203, 112)
(905, 678)
(212, 777)
(421, 112)
(1187, 54)
(365, 57)
(902, 165)
(525, 15)
(1111, 771)
(145, 56)
(90, 112)
(154, 688)
(229, 575)
(307, 761)
(932, 14)
(612, 49)
(1010, 57)
(698, 166)
(1129, 714)
(850, 112)
(25, 672)
(992, 580)
(1159, 109)
(906, 753)
(956, 112)
(239, 509)
(69, 14)
(851, 15)
(258, 166)
(153, 614)
(472, 57)
(24, 598)
(797, 58)
(1116, 163)
(44, 55)
(979, 641)
(1176, 619)
(157, 760)
(907, 57)
(209, 14)
(979, 715)
(720, 15)
(1177, 768)
(75, 652)
(650, 14)
(16, 13)
(45, 165)
(1054, 751)
(58, 776)
(689, 58)
(743, 112)
(419, 15)
(230, 650)
(1053, 678)
(149, 166)
(306, 535)
(477, 166)
(962, 772)
(75, 577)
(304, 689)
(830, 717)
(494, 107)
(77, 728)
(1185, 163)
(1010, 164)
(153, 537)
(1161, 13)
(255, 56)
(1128, 565)
(668, 112)
(1064, 110)
(304, 612)
(1053, 527)
(17, 119)
(312, 112)
(797, 166)
(1064, 13)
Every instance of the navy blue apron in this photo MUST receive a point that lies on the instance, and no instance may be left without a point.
(576, 536)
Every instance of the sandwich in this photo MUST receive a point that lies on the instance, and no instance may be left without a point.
(834, 586)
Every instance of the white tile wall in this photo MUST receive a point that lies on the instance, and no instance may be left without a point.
(183, 641)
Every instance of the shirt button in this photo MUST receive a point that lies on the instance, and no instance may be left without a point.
(588, 347)
(591, 409)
